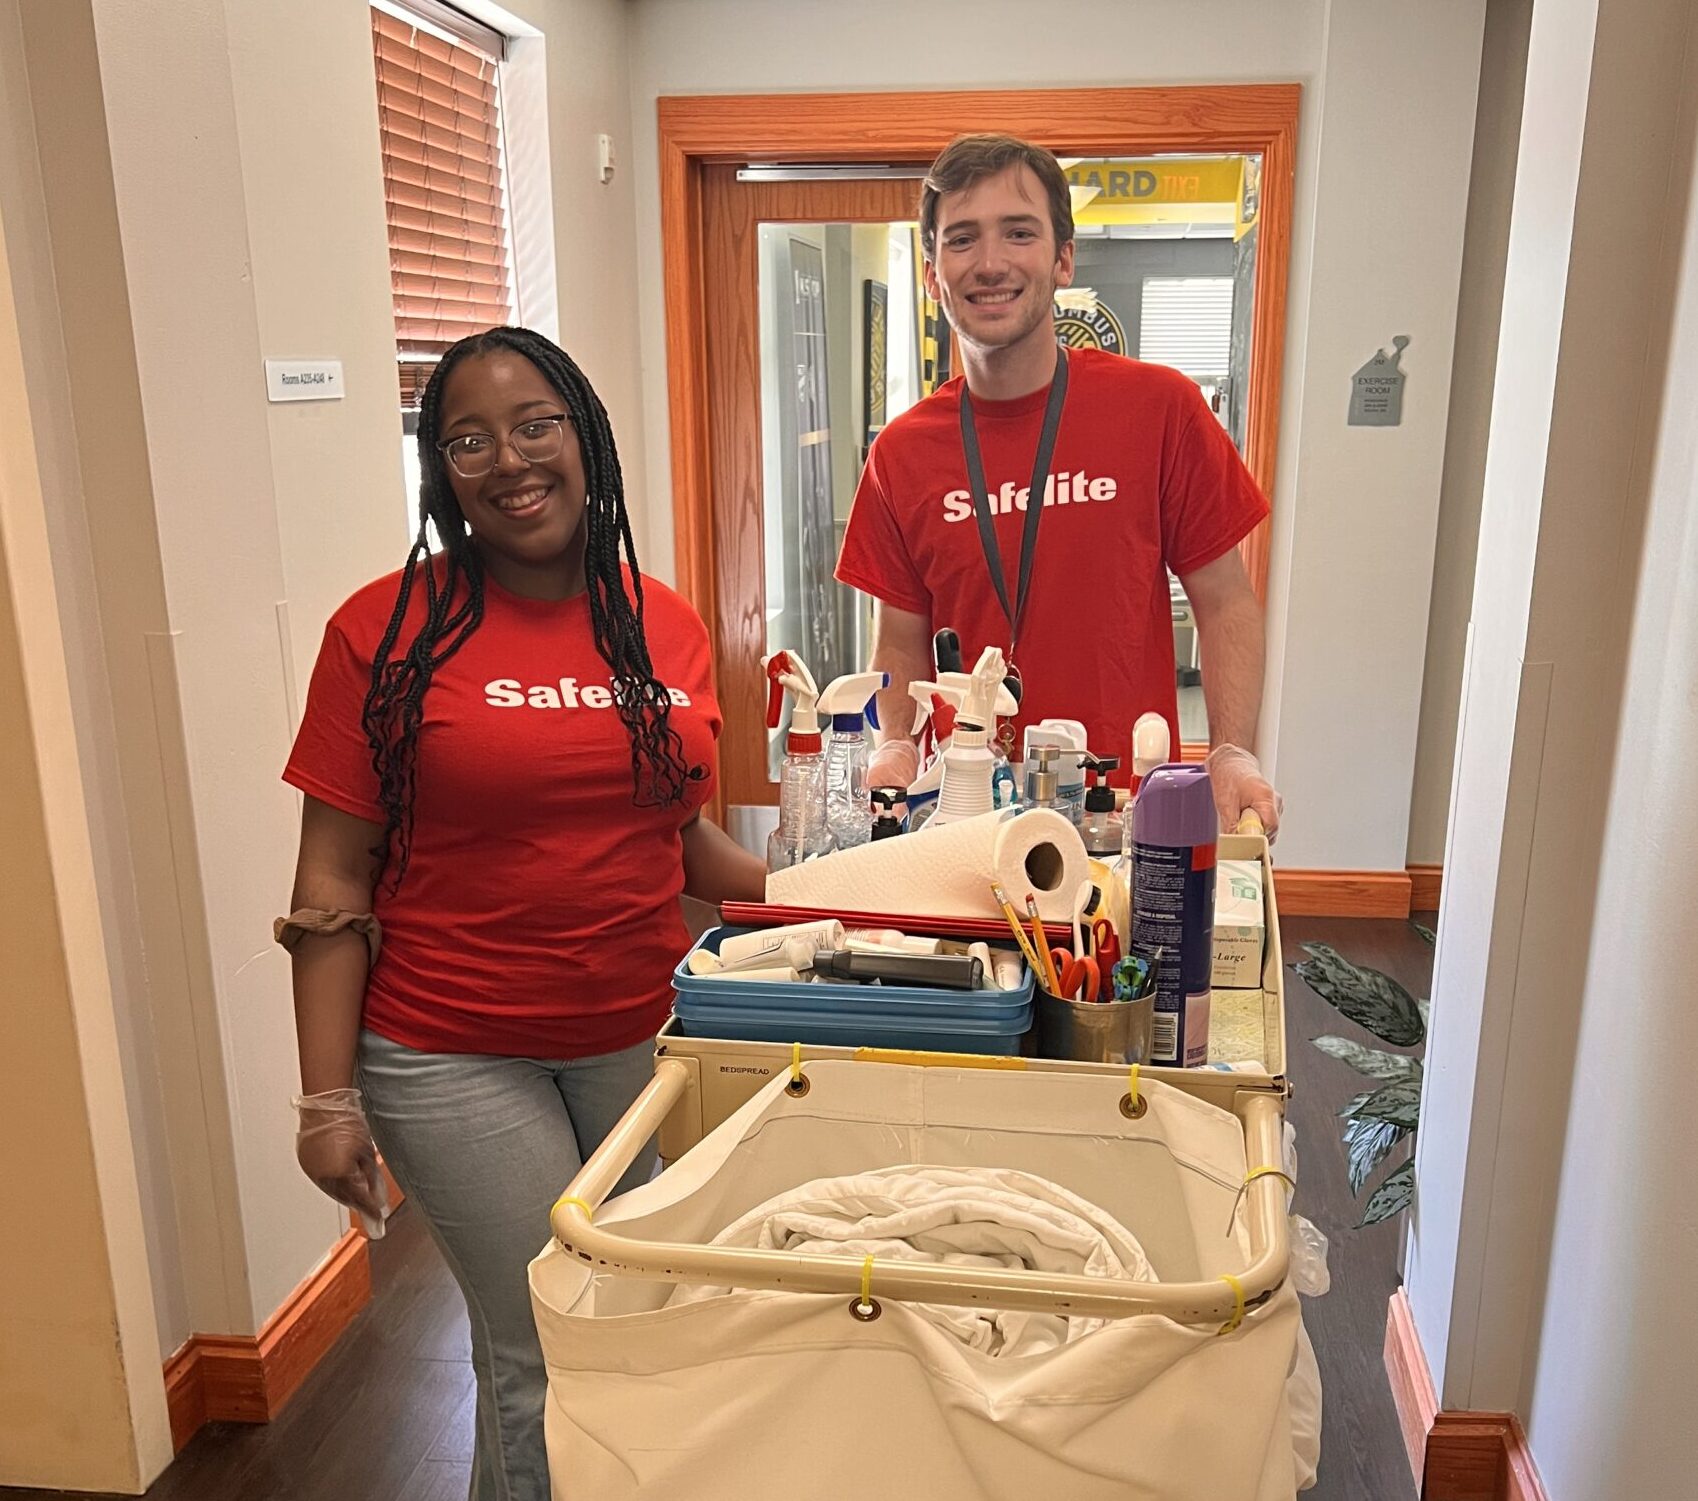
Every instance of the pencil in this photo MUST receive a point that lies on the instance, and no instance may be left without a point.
(1043, 944)
(1019, 932)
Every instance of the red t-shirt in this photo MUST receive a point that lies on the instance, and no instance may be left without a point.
(1143, 479)
(539, 915)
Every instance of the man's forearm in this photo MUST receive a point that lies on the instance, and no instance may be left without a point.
(1230, 642)
(895, 706)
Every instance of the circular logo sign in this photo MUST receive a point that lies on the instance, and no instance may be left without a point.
(1093, 327)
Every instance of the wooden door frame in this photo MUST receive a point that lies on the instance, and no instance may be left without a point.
(698, 130)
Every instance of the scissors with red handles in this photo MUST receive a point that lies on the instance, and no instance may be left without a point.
(1080, 978)
(1105, 949)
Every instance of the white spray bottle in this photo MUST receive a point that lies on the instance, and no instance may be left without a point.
(802, 832)
(852, 702)
(969, 764)
(923, 790)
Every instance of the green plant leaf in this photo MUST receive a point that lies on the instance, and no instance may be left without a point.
(1376, 1063)
(1426, 1009)
(1369, 998)
(1425, 932)
(1394, 1194)
(1355, 1104)
(1367, 1143)
(1399, 1103)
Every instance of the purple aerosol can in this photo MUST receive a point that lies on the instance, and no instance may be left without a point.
(1174, 833)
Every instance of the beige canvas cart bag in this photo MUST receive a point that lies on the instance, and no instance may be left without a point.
(786, 1388)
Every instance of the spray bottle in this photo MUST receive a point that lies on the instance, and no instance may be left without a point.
(802, 832)
(852, 703)
(929, 705)
(969, 764)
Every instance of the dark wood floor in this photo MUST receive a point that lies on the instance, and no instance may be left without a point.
(1362, 1453)
(388, 1415)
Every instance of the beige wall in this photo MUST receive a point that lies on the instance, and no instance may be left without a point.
(79, 1357)
(1550, 1201)
(170, 239)
(308, 176)
(1612, 1353)
(74, 309)
(1497, 130)
(1387, 120)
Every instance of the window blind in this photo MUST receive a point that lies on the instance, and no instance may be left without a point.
(450, 270)
(1186, 322)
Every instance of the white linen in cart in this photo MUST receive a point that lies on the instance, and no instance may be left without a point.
(762, 1397)
(972, 1217)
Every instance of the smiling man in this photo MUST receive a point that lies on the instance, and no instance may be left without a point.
(1119, 465)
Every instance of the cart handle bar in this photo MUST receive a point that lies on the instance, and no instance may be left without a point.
(1213, 1302)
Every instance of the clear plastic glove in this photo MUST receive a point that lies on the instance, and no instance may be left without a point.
(1240, 787)
(1309, 1274)
(896, 763)
(334, 1147)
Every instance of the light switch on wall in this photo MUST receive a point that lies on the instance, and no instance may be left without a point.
(604, 156)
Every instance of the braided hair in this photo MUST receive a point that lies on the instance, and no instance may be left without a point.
(454, 603)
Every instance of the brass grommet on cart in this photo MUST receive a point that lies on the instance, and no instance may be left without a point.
(865, 1310)
(798, 1086)
(1133, 1109)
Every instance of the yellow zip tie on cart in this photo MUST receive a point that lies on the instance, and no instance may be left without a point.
(1264, 1171)
(795, 1062)
(1237, 1304)
(589, 1214)
(867, 1284)
(1133, 1085)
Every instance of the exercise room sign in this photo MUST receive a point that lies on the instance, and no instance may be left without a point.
(1376, 390)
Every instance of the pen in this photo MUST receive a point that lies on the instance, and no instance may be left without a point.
(1001, 898)
(1043, 944)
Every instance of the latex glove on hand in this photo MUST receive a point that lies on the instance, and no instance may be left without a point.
(334, 1147)
(896, 763)
(1240, 787)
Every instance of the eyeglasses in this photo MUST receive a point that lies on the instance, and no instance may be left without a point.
(474, 454)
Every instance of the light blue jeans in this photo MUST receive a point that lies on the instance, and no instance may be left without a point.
(485, 1145)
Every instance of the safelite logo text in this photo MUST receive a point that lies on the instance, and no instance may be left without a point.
(564, 693)
(1061, 490)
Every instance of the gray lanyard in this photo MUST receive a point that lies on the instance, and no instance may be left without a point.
(1016, 612)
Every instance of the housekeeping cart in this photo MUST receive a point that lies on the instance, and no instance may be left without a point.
(795, 1374)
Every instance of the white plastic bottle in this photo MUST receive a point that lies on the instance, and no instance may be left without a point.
(969, 765)
(803, 832)
(1067, 736)
(851, 701)
(1152, 746)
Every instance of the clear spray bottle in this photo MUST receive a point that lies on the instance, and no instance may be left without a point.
(803, 832)
(852, 703)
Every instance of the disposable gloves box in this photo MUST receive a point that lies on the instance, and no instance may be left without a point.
(1240, 926)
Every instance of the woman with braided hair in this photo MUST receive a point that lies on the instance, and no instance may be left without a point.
(504, 756)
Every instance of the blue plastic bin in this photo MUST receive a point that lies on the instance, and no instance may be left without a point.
(850, 1015)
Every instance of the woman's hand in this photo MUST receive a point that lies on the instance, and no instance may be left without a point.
(334, 1148)
(718, 869)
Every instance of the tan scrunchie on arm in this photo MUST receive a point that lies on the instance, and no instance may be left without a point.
(310, 921)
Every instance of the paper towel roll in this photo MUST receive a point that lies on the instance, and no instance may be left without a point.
(947, 872)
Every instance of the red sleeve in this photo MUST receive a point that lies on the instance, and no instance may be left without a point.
(875, 558)
(332, 757)
(1209, 500)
